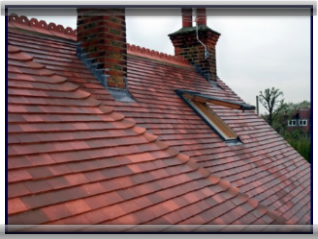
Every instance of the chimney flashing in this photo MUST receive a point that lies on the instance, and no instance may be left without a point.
(102, 47)
(119, 94)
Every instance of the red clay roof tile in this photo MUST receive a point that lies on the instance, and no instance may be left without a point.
(17, 189)
(18, 176)
(16, 206)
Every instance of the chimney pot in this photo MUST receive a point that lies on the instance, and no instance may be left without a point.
(187, 45)
(201, 16)
(186, 17)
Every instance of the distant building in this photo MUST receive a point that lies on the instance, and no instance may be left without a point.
(300, 120)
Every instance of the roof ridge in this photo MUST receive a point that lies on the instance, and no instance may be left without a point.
(41, 26)
(156, 55)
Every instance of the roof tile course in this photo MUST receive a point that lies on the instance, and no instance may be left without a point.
(78, 157)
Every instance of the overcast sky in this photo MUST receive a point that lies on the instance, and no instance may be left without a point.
(253, 52)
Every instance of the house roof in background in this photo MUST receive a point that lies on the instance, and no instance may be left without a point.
(76, 156)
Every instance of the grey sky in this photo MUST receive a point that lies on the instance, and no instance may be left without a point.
(253, 52)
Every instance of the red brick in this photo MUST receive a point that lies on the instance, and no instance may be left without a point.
(107, 34)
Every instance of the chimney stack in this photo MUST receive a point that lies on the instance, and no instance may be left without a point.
(187, 45)
(101, 33)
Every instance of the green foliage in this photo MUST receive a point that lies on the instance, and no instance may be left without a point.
(303, 104)
(302, 146)
(291, 108)
(278, 115)
(300, 141)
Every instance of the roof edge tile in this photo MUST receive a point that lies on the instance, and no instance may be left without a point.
(156, 55)
(34, 25)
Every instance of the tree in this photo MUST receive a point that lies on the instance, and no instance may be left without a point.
(281, 113)
(271, 100)
(291, 108)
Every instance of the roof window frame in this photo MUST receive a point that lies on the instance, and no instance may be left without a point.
(198, 103)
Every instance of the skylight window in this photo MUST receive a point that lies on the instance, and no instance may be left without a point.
(198, 102)
(213, 119)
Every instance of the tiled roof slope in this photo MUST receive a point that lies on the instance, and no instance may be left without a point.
(74, 160)
(265, 167)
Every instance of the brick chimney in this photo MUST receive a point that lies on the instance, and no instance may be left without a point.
(101, 34)
(186, 44)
